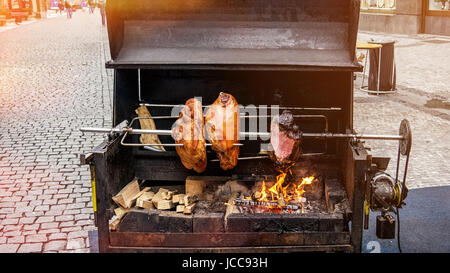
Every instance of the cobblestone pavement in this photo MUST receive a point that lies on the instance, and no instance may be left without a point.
(53, 81)
(422, 74)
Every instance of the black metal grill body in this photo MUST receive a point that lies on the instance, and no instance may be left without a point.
(285, 52)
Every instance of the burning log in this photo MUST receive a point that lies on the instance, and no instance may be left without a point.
(267, 204)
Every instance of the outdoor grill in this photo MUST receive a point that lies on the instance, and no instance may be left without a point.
(270, 55)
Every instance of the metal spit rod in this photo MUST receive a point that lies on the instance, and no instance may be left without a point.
(242, 134)
(269, 107)
(241, 116)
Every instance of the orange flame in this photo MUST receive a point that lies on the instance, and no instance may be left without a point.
(284, 193)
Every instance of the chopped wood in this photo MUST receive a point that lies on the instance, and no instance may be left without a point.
(189, 199)
(139, 194)
(180, 208)
(127, 195)
(178, 198)
(159, 194)
(195, 185)
(163, 204)
(201, 185)
(146, 196)
(167, 195)
(189, 209)
(113, 225)
(145, 204)
(120, 212)
(149, 124)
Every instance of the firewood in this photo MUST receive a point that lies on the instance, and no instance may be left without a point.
(180, 208)
(164, 204)
(113, 225)
(200, 185)
(149, 124)
(195, 185)
(189, 199)
(127, 195)
(147, 196)
(189, 209)
(120, 212)
(145, 204)
(178, 199)
(167, 195)
(159, 194)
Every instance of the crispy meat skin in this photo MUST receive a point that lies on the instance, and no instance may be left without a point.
(285, 138)
(188, 130)
(222, 127)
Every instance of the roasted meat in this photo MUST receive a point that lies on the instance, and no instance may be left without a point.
(188, 130)
(222, 127)
(285, 138)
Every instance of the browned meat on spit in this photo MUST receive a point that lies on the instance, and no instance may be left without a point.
(188, 130)
(222, 127)
(285, 138)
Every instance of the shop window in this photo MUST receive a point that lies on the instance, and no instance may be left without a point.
(378, 5)
(443, 5)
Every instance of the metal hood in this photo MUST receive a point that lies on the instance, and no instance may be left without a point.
(233, 34)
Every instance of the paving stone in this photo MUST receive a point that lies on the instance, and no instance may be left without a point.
(45, 219)
(9, 248)
(55, 245)
(9, 221)
(77, 234)
(76, 243)
(57, 236)
(16, 240)
(36, 238)
(29, 248)
(49, 225)
(64, 218)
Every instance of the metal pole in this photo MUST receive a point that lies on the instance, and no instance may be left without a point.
(241, 134)
(269, 107)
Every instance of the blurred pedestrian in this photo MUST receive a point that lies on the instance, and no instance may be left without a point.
(68, 7)
(91, 5)
(61, 6)
(102, 7)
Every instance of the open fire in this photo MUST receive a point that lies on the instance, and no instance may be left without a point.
(283, 196)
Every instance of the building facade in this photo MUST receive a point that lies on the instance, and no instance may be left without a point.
(406, 16)
(12, 8)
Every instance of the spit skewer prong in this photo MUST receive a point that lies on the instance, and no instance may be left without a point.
(132, 131)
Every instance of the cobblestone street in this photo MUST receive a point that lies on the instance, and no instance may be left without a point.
(53, 81)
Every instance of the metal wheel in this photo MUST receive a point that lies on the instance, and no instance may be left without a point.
(405, 131)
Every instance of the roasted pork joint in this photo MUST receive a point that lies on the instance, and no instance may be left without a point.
(285, 138)
(188, 130)
(222, 127)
